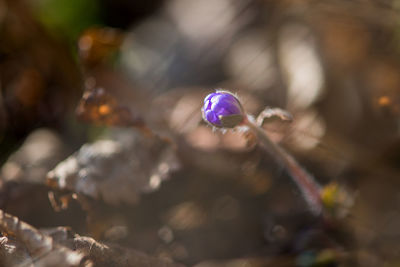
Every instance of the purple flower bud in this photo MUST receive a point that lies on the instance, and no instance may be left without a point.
(222, 109)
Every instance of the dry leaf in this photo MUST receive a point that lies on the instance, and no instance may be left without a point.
(117, 171)
(24, 245)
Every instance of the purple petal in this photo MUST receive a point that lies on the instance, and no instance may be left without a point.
(207, 105)
(219, 109)
(220, 104)
(228, 97)
(209, 96)
(232, 108)
(212, 118)
(225, 106)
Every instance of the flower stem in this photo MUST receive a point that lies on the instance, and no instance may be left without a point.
(309, 188)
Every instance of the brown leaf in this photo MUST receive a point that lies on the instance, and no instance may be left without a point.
(26, 244)
(117, 171)
(106, 254)
(98, 106)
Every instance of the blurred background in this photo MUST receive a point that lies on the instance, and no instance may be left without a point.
(101, 129)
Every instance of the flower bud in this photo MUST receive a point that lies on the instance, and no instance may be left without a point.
(222, 109)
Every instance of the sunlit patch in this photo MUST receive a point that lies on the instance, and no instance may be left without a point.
(308, 129)
(301, 64)
(104, 109)
(303, 133)
(234, 140)
(251, 62)
(384, 101)
(11, 171)
(203, 138)
(155, 181)
(185, 115)
(185, 216)
(202, 20)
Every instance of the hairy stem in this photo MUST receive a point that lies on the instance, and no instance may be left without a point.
(309, 188)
